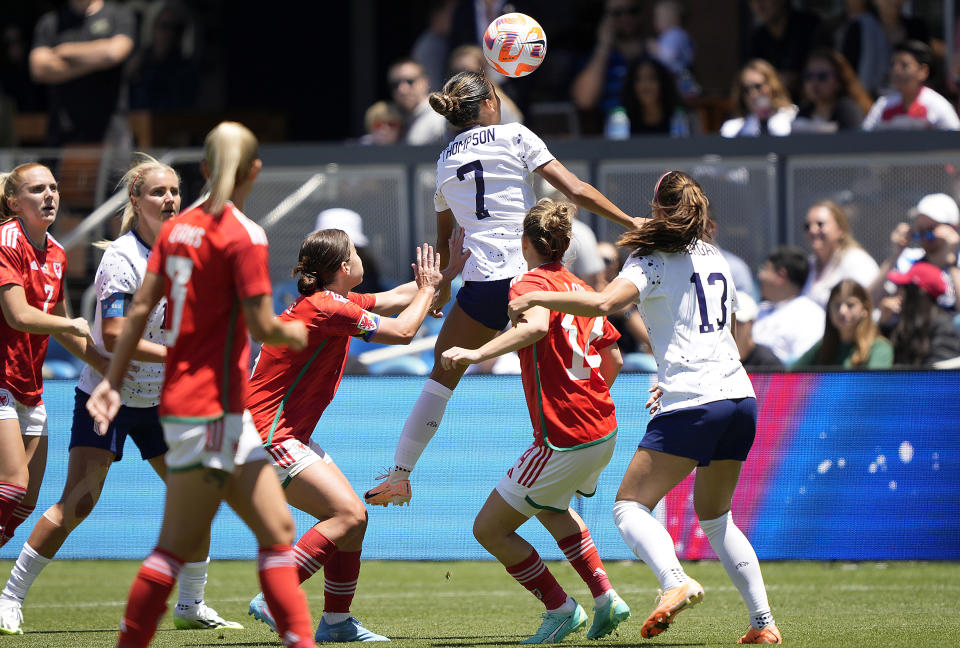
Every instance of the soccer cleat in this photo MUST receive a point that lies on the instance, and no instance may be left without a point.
(259, 611)
(201, 617)
(349, 630)
(769, 634)
(11, 618)
(607, 617)
(669, 604)
(396, 492)
(557, 625)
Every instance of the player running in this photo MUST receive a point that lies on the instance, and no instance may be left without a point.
(32, 300)
(484, 184)
(567, 365)
(153, 196)
(707, 418)
(211, 264)
(290, 390)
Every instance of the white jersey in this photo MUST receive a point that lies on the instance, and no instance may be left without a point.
(686, 301)
(120, 273)
(485, 177)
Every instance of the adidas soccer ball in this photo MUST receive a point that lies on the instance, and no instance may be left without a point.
(514, 44)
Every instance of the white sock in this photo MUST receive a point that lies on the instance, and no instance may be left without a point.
(740, 560)
(568, 606)
(28, 566)
(192, 582)
(421, 424)
(647, 538)
(335, 617)
(602, 600)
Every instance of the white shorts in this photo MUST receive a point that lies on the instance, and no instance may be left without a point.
(223, 444)
(33, 420)
(544, 479)
(291, 457)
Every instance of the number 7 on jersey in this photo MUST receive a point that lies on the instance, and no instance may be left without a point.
(477, 168)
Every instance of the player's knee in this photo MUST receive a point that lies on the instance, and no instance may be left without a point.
(483, 533)
(354, 518)
(84, 506)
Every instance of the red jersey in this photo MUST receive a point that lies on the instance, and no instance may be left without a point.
(40, 273)
(290, 389)
(210, 263)
(568, 399)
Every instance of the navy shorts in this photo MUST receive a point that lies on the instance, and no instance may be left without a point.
(486, 302)
(713, 431)
(142, 424)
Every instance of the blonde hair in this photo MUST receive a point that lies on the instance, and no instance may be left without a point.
(779, 97)
(229, 151)
(548, 226)
(10, 184)
(840, 218)
(382, 111)
(132, 181)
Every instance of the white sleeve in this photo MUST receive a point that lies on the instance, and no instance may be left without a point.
(945, 116)
(873, 117)
(532, 151)
(115, 274)
(643, 272)
(439, 202)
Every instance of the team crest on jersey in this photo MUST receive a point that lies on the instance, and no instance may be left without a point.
(4, 400)
(366, 323)
(34, 266)
(58, 270)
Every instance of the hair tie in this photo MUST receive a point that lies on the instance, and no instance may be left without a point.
(133, 183)
(656, 189)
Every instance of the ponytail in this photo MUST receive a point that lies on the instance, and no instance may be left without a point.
(229, 151)
(680, 218)
(321, 255)
(132, 182)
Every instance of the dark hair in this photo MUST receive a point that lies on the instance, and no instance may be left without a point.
(669, 97)
(865, 335)
(460, 99)
(918, 50)
(548, 226)
(321, 255)
(681, 217)
(848, 83)
(792, 260)
(911, 336)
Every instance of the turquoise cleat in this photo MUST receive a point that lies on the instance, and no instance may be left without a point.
(607, 617)
(556, 626)
(259, 611)
(349, 630)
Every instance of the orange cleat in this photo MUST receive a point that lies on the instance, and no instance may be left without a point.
(669, 603)
(770, 634)
(389, 492)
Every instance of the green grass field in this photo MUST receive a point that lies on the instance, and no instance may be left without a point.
(422, 604)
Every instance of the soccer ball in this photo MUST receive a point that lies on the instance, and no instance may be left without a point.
(514, 44)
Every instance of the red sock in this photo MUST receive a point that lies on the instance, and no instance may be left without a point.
(10, 498)
(285, 599)
(148, 598)
(340, 581)
(534, 575)
(582, 554)
(312, 552)
(18, 517)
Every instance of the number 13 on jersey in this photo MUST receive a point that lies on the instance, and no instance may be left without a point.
(706, 326)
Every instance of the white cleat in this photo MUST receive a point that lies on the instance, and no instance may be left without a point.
(11, 618)
(201, 617)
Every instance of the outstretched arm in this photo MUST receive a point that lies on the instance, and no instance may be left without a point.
(616, 296)
(531, 326)
(585, 195)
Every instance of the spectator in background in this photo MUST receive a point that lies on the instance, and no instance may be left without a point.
(931, 237)
(163, 75)
(761, 101)
(752, 355)
(833, 97)
(835, 255)
(673, 46)
(911, 105)
(923, 333)
(410, 86)
(650, 97)
(469, 58)
(634, 340)
(582, 257)
(787, 322)
(383, 121)
(851, 338)
(783, 36)
(352, 223)
(79, 51)
(15, 81)
(432, 46)
(598, 87)
(863, 42)
(899, 27)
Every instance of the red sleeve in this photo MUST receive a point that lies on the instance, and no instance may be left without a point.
(11, 266)
(251, 269)
(610, 335)
(526, 284)
(366, 301)
(155, 260)
(333, 317)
